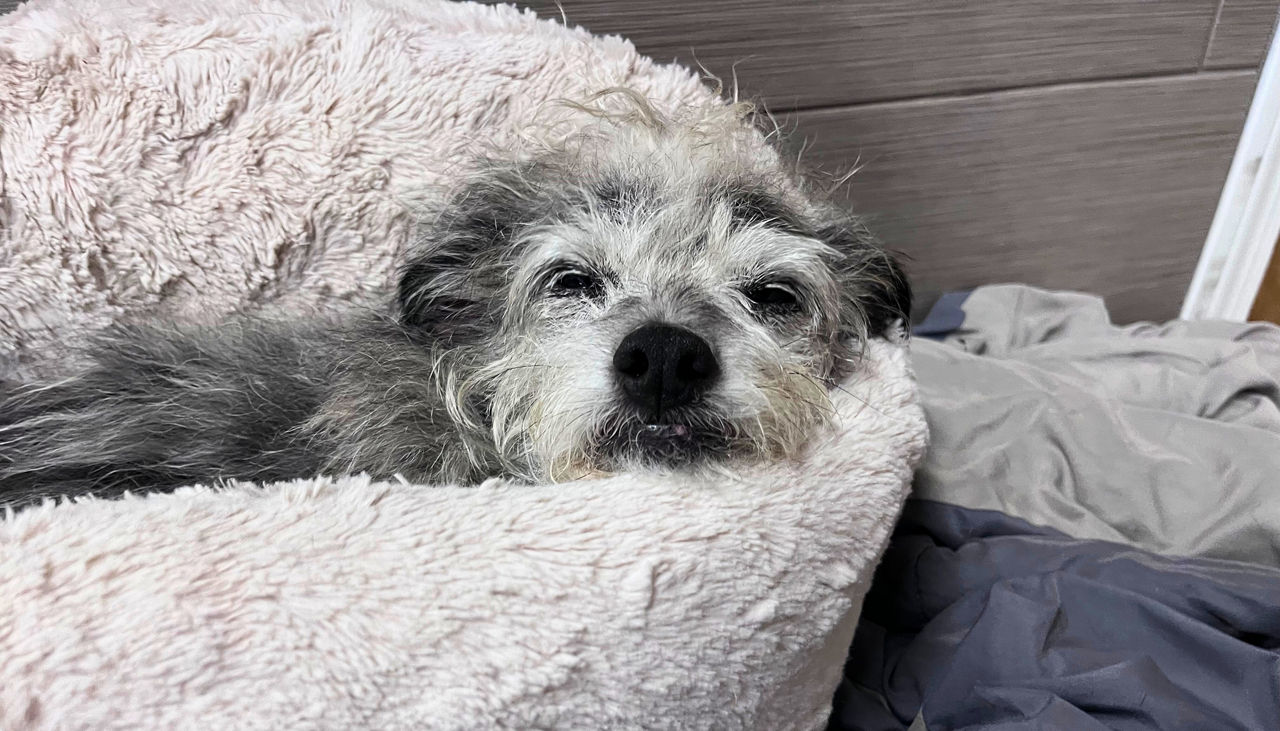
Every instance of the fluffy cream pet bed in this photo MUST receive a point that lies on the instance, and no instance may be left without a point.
(194, 159)
(199, 159)
(630, 602)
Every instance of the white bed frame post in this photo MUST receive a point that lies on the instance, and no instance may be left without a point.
(1246, 225)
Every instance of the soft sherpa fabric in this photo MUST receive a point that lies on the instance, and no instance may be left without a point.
(629, 602)
(194, 160)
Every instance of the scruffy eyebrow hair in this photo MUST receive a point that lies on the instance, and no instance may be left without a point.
(754, 206)
(619, 195)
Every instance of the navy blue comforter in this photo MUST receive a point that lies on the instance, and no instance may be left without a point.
(977, 620)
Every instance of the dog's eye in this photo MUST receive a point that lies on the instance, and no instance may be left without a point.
(773, 297)
(575, 283)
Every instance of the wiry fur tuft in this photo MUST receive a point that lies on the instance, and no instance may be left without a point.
(486, 367)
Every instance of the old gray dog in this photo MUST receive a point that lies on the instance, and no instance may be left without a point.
(649, 293)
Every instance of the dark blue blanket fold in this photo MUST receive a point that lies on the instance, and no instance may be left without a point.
(979, 620)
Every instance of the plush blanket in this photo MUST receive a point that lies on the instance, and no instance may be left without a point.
(630, 602)
(191, 160)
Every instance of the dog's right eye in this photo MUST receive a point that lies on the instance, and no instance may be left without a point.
(772, 298)
(576, 283)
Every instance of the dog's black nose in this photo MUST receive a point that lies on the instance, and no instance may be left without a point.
(662, 367)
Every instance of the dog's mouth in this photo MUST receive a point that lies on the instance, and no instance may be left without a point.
(672, 442)
(668, 443)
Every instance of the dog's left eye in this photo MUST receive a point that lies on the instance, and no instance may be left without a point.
(576, 283)
(772, 296)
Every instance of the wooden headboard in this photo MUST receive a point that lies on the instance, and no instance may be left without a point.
(1070, 145)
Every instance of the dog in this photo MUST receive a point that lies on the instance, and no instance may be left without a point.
(649, 293)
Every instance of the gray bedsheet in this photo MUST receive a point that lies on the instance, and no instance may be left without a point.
(1094, 539)
(1162, 437)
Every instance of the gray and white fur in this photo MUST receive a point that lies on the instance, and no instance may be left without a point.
(647, 293)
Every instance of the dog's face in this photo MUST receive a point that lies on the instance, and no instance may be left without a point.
(646, 296)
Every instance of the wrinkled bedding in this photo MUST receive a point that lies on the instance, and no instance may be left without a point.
(1094, 538)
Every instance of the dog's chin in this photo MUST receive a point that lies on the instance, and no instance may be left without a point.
(673, 442)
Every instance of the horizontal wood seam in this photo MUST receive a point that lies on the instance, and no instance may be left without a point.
(1226, 73)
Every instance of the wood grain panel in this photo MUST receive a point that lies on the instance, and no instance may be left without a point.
(1242, 33)
(1266, 305)
(1100, 187)
(804, 53)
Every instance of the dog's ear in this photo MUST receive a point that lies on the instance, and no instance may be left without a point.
(454, 283)
(876, 291)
